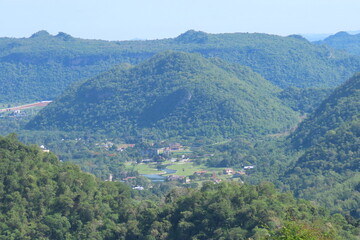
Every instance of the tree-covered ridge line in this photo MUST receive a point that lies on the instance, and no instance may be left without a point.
(328, 170)
(341, 107)
(171, 94)
(42, 198)
(319, 161)
(43, 66)
(343, 41)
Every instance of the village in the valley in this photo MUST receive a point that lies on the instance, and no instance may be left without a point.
(176, 163)
(172, 162)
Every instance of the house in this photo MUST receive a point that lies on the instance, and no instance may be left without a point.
(122, 147)
(138, 188)
(248, 167)
(128, 178)
(166, 151)
(200, 172)
(187, 180)
(228, 171)
(175, 146)
(110, 179)
(175, 178)
(43, 148)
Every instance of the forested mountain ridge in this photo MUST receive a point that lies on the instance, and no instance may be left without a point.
(43, 66)
(43, 198)
(341, 107)
(171, 94)
(328, 171)
(343, 41)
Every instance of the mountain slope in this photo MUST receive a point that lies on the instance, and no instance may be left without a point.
(43, 66)
(171, 94)
(343, 41)
(341, 107)
(329, 169)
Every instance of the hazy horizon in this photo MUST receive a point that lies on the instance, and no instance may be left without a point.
(158, 19)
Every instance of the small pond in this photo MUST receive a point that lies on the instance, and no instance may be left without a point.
(159, 177)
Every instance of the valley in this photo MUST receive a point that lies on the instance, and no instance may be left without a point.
(201, 136)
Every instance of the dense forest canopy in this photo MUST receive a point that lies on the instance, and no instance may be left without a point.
(43, 66)
(341, 107)
(172, 94)
(42, 198)
(343, 41)
(328, 171)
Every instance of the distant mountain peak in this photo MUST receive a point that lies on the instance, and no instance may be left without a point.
(297, 36)
(341, 34)
(192, 36)
(64, 36)
(42, 33)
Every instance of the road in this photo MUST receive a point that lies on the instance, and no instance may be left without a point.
(37, 104)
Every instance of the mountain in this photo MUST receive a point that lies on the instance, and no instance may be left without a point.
(171, 94)
(343, 41)
(42, 66)
(304, 100)
(329, 171)
(340, 108)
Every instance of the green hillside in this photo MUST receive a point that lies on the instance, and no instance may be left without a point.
(343, 41)
(172, 94)
(328, 170)
(340, 108)
(43, 198)
(304, 100)
(43, 66)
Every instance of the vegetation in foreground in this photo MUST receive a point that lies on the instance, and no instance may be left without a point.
(42, 198)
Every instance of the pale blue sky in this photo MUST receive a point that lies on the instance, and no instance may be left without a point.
(155, 19)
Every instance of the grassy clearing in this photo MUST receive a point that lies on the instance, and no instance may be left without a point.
(144, 168)
(188, 168)
(182, 168)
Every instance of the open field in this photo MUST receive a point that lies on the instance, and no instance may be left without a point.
(143, 168)
(182, 168)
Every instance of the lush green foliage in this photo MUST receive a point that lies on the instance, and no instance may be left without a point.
(341, 107)
(235, 211)
(304, 100)
(172, 94)
(43, 66)
(329, 169)
(42, 198)
(319, 162)
(343, 41)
